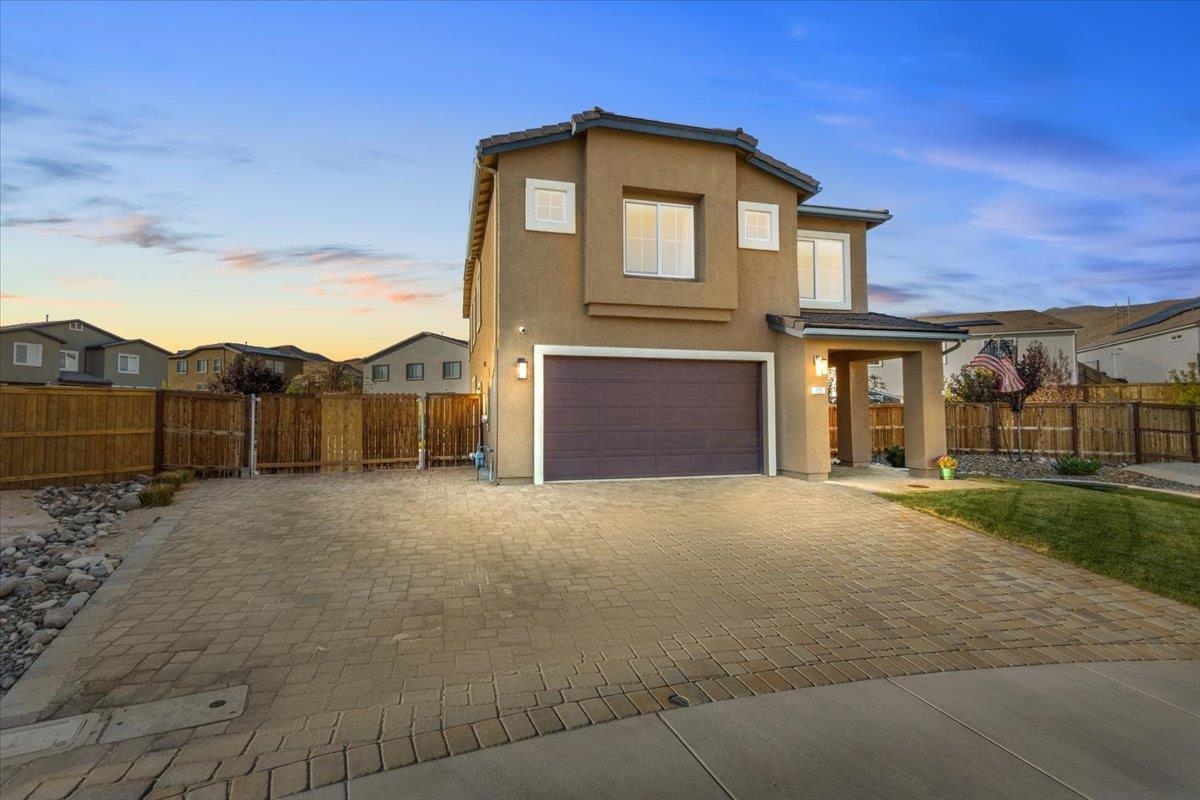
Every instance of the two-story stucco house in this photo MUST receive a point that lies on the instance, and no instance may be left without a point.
(650, 299)
(423, 363)
(77, 353)
(193, 369)
(1017, 329)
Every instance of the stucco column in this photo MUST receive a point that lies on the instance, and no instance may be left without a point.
(924, 411)
(802, 419)
(853, 414)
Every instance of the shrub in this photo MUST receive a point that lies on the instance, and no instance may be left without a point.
(172, 479)
(157, 494)
(895, 455)
(1076, 465)
(186, 475)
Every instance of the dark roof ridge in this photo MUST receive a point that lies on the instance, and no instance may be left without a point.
(410, 340)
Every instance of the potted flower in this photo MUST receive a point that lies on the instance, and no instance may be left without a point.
(947, 464)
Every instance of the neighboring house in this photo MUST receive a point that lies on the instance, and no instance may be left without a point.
(1017, 329)
(426, 362)
(648, 299)
(82, 355)
(317, 364)
(193, 369)
(1138, 344)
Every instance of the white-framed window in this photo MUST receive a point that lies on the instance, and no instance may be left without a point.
(1177, 337)
(451, 370)
(181, 367)
(75, 326)
(823, 263)
(758, 226)
(129, 364)
(660, 239)
(216, 365)
(549, 206)
(26, 354)
(381, 372)
(201, 366)
(878, 363)
(68, 361)
(276, 367)
(414, 372)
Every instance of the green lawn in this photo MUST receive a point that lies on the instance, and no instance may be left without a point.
(1146, 539)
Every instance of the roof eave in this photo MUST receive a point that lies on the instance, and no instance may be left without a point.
(871, 218)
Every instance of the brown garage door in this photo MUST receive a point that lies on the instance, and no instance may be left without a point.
(642, 418)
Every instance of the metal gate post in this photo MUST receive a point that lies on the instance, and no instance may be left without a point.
(253, 435)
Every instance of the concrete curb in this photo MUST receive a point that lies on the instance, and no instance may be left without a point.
(29, 700)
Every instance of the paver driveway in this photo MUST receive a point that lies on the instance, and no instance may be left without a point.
(385, 617)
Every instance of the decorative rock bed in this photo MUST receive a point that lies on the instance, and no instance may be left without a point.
(1032, 467)
(47, 577)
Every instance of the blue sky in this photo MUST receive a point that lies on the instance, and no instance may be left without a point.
(300, 173)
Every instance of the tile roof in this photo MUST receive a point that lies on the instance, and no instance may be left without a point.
(1017, 321)
(118, 342)
(48, 322)
(858, 320)
(248, 349)
(30, 326)
(307, 355)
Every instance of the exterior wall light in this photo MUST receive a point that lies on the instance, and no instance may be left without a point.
(522, 369)
(821, 365)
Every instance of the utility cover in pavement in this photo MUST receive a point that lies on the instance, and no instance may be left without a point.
(50, 735)
(178, 712)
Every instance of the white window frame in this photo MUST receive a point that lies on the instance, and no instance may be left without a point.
(62, 354)
(446, 377)
(216, 364)
(276, 366)
(181, 367)
(387, 372)
(532, 223)
(540, 351)
(745, 241)
(658, 207)
(201, 366)
(75, 326)
(420, 364)
(31, 349)
(135, 361)
(810, 302)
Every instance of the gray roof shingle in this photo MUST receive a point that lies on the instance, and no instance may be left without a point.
(858, 320)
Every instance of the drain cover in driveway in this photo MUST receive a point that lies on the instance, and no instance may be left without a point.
(51, 735)
(178, 712)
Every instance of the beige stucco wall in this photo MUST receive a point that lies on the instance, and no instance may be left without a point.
(482, 332)
(428, 350)
(1146, 360)
(549, 282)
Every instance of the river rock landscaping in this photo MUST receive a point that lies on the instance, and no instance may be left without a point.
(46, 577)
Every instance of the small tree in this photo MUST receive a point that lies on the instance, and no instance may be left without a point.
(973, 385)
(1185, 382)
(337, 377)
(247, 375)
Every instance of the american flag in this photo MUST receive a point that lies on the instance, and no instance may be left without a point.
(992, 358)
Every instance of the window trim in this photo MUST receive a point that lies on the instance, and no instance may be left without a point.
(30, 348)
(744, 241)
(387, 373)
(446, 377)
(420, 377)
(216, 364)
(658, 206)
(532, 223)
(61, 354)
(134, 359)
(181, 363)
(201, 366)
(810, 302)
(75, 326)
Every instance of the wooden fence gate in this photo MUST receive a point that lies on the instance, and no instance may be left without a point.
(201, 431)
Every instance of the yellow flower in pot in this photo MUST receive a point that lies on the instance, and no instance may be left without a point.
(947, 464)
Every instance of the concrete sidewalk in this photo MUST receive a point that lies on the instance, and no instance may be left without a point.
(1178, 471)
(1104, 730)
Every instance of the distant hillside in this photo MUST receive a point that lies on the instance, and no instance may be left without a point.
(1100, 321)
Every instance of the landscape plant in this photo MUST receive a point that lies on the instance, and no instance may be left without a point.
(247, 375)
(894, 455)
(1076, 465)
(1185, 385)
(157, 494)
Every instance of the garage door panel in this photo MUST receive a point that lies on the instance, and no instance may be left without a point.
(639, 418)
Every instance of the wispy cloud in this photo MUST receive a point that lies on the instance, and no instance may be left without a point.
(13, 109)
(882, 293)
(55, 168)
(137, 229)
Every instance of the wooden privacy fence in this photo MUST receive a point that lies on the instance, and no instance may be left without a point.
(70, 436)
(67, 435)
(1112, 432)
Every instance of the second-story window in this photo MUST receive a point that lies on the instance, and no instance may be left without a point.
(414, 372)
(660, 239)
(68, 360)
(181, 367)
(549, 206)
(216, 365)
(201, 366)
(823, 263)
(381, 372)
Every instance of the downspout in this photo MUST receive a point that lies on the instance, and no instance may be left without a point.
(952, 348)
(494, 416)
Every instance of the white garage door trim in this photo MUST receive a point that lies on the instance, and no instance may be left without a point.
(540, 351)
